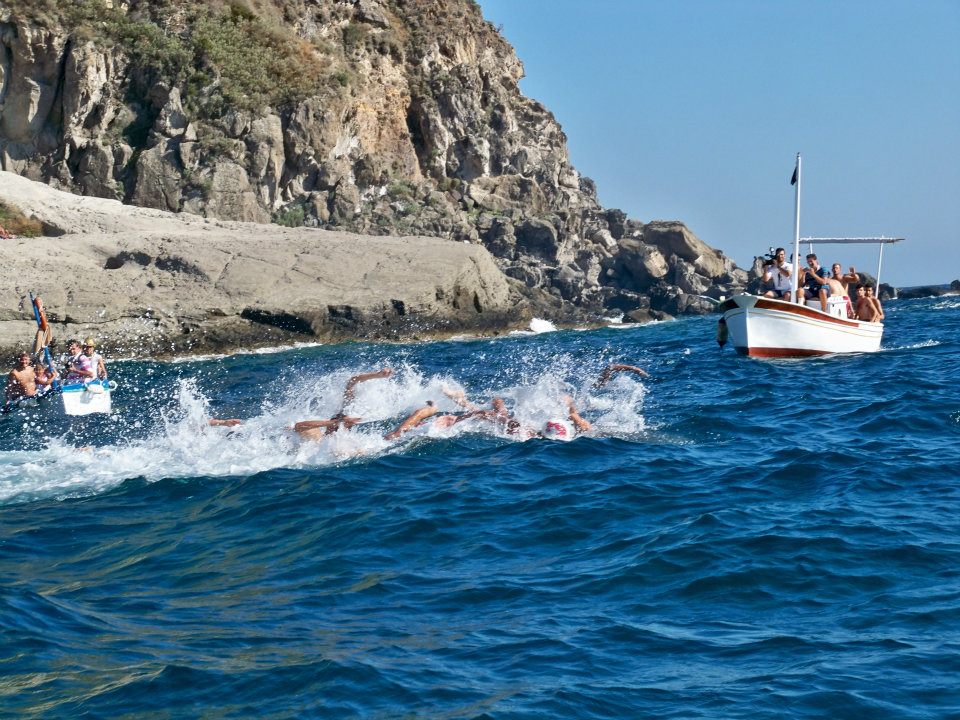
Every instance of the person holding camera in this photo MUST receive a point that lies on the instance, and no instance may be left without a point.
(777, 272)
(814, 279)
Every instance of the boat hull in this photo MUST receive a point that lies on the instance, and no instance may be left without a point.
(768, 328)
(86, 399)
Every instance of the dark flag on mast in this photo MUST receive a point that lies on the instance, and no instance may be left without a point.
(793, 180)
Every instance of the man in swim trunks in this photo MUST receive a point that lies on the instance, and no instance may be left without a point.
(838, 284)
(319, 429)
(869, 309)
(22, 380)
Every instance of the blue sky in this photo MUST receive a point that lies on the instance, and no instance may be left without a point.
(694, 110)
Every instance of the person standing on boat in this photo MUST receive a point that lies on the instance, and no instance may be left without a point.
(838, 284)
(860, 306)
(80, 367)
(813, 277)
(778, 272)
(872, 310)
(22, 380)
(90, 350)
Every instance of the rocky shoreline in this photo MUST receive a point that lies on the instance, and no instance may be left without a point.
(151, 283)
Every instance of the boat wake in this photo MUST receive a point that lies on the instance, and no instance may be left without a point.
(914, 346)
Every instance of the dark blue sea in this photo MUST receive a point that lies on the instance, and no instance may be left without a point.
(735, 538)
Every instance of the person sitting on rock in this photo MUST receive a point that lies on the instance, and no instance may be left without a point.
(318, 429)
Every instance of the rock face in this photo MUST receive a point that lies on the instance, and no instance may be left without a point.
(147, 282)
(383, 117)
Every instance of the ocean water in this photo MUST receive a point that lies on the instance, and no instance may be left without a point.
(734, 539)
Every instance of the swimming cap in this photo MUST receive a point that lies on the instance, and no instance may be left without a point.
(558, 430)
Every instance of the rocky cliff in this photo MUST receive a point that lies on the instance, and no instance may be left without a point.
(382, 117)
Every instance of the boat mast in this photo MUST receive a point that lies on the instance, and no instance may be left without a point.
(796, 231)
(879, 268)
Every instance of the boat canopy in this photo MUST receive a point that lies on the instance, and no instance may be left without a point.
(851, 241)
(881, 241)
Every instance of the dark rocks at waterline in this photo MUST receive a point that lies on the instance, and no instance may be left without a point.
(923, 291)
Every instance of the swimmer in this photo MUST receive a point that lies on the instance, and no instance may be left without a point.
(568, 429)
(418, 419)
(223, 422)
(611, 370)
(319, 429)
(498, 413)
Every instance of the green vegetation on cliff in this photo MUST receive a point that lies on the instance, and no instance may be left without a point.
(221, 55)
(15, 222)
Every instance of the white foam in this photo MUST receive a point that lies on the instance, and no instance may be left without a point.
(915, 346)
(183, 444)
(539, 325)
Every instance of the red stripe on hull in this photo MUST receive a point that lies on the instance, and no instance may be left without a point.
(764, 352)
(768, 304)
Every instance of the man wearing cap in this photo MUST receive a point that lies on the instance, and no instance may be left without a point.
(89, 349)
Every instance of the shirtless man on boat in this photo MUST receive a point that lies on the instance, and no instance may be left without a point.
(27, 380)
(319, 429)
(22, 380)
(868, 307)
(838, 284)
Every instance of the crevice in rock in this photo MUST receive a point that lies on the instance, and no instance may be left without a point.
(284, 321)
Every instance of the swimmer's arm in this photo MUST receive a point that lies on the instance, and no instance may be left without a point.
(224, 422)
(348, 392)
(411, 422)
(460, 398)
(581, 423)
(312, 424)
(609, 371)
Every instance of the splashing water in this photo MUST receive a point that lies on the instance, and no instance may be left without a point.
(180, 442)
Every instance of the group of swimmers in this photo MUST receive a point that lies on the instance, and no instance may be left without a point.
(814, 283)
(31, 379)
(428, 417)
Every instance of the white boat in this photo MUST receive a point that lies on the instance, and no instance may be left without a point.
(769, 328)
(86, 398)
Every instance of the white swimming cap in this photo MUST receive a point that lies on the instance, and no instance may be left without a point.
(558, 430)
